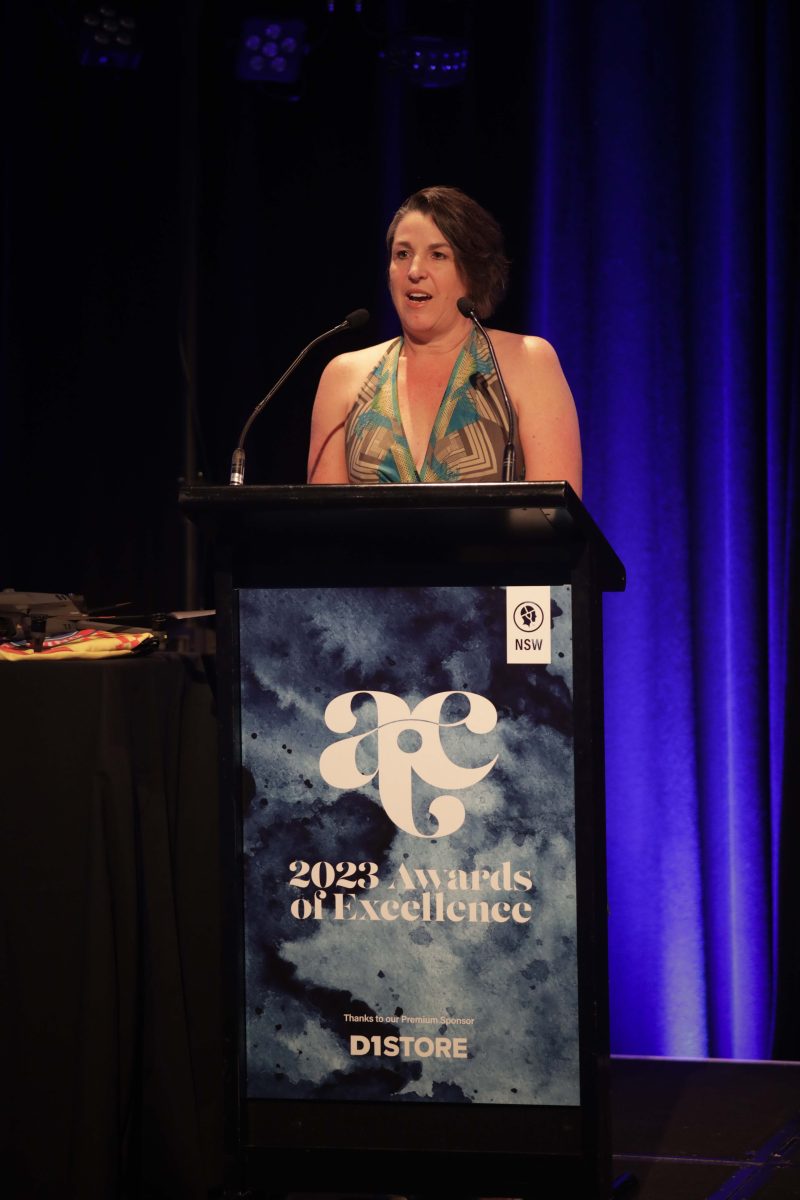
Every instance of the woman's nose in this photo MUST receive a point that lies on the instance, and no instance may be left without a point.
(416, 268)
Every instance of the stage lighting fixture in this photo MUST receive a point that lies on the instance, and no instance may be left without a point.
(109, 38)
(271, 49)
(429, 62)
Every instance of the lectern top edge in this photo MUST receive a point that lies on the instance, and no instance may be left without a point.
(563, 518)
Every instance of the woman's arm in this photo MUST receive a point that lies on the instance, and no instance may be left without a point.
(546, 415)
(338, 391)
(326, 451)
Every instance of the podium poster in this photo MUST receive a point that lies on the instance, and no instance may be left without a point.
(408, 838)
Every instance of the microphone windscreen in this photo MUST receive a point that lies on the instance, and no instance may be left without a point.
(355, 320)
(465, 306)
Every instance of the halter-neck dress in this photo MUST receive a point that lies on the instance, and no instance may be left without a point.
(469, 432)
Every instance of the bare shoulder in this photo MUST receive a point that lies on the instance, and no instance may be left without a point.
(548, 421)
(524, 349)
(343, 376)
(337, 391)
(351, 369)
(531, 367)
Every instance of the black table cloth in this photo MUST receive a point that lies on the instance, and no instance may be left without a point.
(109, 935)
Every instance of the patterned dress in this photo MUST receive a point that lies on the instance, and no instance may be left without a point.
(469, 432)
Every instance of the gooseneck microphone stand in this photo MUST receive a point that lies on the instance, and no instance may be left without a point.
(353, 320)
(466, 307)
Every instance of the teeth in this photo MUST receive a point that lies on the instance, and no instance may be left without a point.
(418, 296)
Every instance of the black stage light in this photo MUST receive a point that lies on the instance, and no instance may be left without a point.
(271, 49)
(109, 37)
(429, 62)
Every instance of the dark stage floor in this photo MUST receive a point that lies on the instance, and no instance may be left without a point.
(698, 1130)
(710, 1129)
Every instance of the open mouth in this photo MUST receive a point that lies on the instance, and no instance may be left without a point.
(418, 297)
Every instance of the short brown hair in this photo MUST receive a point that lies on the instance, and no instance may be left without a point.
(475, 236)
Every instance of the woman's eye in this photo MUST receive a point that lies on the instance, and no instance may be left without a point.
(401, 254)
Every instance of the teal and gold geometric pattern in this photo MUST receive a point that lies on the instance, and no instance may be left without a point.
(469, 432)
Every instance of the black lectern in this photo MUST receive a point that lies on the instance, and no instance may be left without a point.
(413, 830)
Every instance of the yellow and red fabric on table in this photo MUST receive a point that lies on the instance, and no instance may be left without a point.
(81, 643)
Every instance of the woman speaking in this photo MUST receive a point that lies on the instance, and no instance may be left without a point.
(428, 406)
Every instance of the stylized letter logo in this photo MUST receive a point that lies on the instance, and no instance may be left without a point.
(338, 765)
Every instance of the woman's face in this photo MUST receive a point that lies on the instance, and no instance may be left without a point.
(424, 278)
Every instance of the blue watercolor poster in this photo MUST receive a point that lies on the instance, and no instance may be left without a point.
(409, 845)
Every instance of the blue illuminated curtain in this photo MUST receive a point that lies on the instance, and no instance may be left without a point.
(666, 271)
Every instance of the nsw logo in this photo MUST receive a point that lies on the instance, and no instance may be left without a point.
(528, 616)
(397, 764)
(528, 624)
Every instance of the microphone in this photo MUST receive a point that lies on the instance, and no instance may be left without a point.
(353, 320)
(466, 307)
